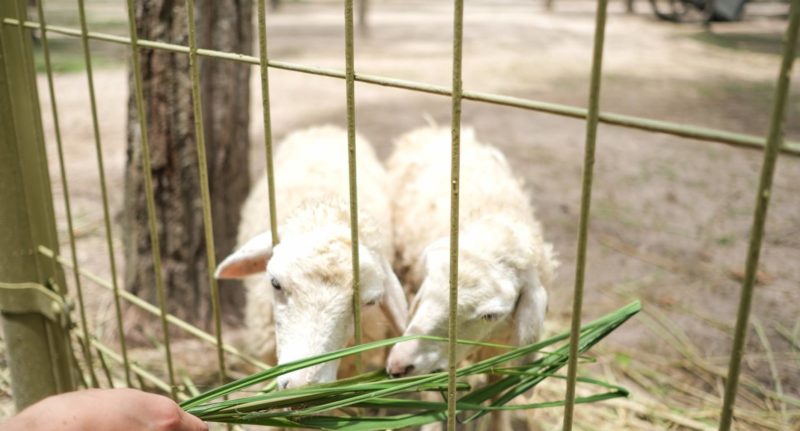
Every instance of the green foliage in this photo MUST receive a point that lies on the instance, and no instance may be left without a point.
(312, 406)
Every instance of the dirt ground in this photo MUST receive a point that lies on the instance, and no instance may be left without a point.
(671, 216)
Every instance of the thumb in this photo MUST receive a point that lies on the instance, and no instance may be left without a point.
(190, 423)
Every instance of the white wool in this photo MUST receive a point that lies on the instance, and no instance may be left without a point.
(312, 200)
(501, 252)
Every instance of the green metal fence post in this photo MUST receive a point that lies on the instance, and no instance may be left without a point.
(39, 354)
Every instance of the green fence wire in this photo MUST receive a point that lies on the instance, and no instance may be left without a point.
(455, 168)
(774, 139)
(147, 173)
(156, 311)
(351, 165)
(203, 168)
(772, 146)
(586, 204)
(628, 121)
(264, 70)
(87, 56)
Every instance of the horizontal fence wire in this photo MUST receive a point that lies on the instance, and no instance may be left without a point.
(152, 309)
(147, 174)
(774, 139)
(136, 369)
(621, 120)
(586, 204)
(87, 56)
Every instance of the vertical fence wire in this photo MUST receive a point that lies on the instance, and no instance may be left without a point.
(455, 165)
(774, 142)
(87, 56)
(586, 202)
(106, 369)
(147, 172)
(264, 69)
(87, 354)
(203, 168)
(351, 162)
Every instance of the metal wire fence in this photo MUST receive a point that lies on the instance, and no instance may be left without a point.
(14, 17)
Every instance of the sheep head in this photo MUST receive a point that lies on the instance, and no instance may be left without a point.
(310, 275)
(495, 296)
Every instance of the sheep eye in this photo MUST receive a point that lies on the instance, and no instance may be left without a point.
(489, 317)
(275, 284)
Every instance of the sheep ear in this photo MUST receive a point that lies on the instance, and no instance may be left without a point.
(394, 305)
(530, 310)
(377, 270)
(249, 259)
(434, 249)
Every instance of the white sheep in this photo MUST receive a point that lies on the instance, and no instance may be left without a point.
(504, 263)
(308, 310)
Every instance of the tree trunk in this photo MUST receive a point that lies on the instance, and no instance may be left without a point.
(362, 6)
(221, 25)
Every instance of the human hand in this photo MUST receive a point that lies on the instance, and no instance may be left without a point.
(105, 409)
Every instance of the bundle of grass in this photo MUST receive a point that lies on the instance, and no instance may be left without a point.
(314, 406)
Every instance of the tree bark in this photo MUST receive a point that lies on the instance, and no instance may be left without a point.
(362, 6)
(221, 25)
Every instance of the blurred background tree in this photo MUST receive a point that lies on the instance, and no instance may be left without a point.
(224, 25)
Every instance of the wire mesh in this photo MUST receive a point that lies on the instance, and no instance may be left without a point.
(87, 56)
(627, 121)
(156, 311)
(772, 146)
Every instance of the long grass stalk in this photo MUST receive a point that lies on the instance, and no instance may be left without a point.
(316, 406)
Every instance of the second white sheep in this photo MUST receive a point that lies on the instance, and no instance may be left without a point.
(504, 264)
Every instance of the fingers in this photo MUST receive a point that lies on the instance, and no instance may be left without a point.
(106, 409)
(190, 423)
(166, 415)
(130, 409)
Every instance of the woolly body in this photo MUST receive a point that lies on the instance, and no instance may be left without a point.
(313, 217)
(504, 263)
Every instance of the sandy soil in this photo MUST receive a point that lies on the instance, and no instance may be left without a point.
(671, 216)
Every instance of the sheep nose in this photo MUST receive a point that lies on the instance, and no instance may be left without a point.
(400, 371)
(292, 381)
